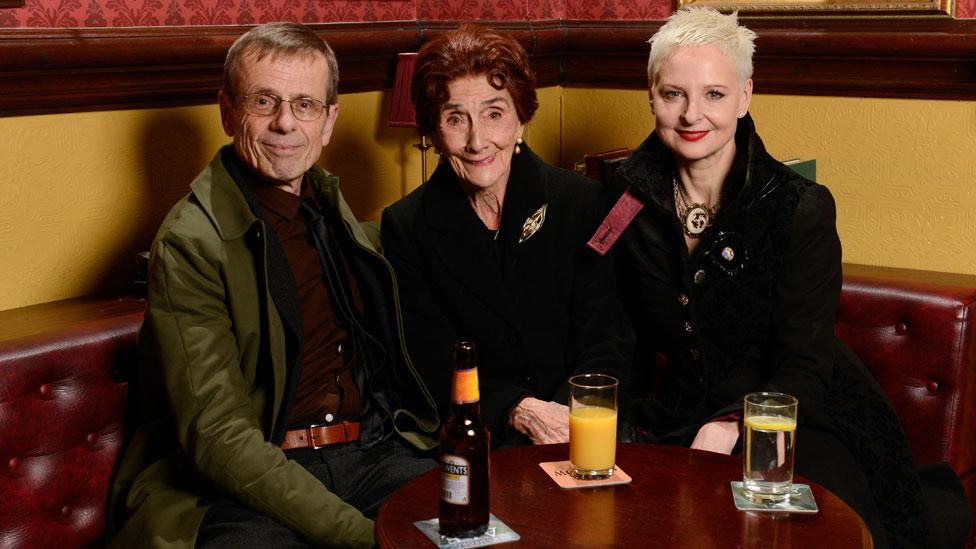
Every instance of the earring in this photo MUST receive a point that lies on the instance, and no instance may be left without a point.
(518, 142)
(741, 114)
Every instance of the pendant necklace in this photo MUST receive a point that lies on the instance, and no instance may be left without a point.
(695, 217)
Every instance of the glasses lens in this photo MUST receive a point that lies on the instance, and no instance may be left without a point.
(306, 109)
(260, 104)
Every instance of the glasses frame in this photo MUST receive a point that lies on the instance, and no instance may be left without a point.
(242, 100)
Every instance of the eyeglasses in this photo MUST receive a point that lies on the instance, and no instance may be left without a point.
(305, 109)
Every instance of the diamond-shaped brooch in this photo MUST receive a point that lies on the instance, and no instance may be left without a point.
(533, 223)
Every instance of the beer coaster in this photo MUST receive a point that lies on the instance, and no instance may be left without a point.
(801, 501)
(559, 472)
(497, 532)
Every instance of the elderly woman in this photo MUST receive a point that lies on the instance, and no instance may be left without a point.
(732, 271)
(492, 247)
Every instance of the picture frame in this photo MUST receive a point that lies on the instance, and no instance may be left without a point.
(829, 7)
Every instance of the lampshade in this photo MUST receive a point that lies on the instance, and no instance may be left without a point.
(401, 108)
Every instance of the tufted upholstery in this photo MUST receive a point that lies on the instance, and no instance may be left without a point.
(61, 417)
(916, 332)
(63, 365)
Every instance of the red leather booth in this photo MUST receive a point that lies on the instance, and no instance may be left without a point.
(63, 368)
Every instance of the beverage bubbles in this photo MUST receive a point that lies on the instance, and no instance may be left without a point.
(770, 442)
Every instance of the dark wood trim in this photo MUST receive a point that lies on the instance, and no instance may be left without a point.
(65, 70)
(11, 3)
(917, 58)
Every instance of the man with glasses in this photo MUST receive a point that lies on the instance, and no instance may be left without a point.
(278, 406)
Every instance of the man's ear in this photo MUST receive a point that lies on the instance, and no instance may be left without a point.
(227, 119)
(331, 113)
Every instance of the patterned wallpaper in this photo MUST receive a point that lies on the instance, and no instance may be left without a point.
(143, 13)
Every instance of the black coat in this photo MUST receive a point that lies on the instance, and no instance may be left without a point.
(539, 311)
(759, 318)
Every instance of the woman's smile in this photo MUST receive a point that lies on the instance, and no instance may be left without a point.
(692, 135)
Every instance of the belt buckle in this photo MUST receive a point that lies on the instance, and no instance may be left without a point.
(311, 438)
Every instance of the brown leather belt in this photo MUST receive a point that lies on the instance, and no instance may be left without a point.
(317, 436)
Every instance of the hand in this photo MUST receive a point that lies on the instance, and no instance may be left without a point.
(717, 436)
(542, 421)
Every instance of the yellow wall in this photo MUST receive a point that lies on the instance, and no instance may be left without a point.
(83, 193)
(903, 172)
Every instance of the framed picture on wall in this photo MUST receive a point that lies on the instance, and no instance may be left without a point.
(828, 7)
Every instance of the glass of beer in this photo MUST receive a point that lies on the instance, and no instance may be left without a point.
(592, 425)
(767, 461)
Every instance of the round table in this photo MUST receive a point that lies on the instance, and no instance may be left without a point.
(678, 498)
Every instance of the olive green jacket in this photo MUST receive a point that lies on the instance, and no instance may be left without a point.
(212, 381)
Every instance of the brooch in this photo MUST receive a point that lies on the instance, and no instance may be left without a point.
(728, 252)
(533, 223)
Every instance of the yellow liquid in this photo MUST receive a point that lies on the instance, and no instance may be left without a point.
(593, 438)
(771, 423)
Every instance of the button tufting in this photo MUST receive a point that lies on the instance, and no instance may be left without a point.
(66, 511)
(901, 328)
(13, 464)
(45, 390)
(92, 438)
(932, 386)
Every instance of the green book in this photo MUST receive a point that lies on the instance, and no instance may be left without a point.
(806, 168)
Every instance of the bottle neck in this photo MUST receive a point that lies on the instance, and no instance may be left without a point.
(465, 387)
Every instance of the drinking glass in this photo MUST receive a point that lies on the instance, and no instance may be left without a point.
(592, 425)
(767, 461)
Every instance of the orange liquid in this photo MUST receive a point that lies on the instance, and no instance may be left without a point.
(593, 437)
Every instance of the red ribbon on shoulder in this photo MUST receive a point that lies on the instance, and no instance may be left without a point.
(613, 225)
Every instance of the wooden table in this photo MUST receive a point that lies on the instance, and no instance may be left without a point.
(678, 498)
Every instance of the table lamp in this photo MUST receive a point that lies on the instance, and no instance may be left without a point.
(402, 114)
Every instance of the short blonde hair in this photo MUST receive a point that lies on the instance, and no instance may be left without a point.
(702, 26)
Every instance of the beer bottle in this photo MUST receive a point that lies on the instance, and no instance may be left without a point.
(464, 444)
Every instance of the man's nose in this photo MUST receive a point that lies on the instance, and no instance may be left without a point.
(283, 119)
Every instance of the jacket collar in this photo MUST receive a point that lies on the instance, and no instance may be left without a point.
(650, 170)
(225, 203)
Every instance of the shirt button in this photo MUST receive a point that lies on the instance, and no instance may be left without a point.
(699, 276)
(694, 354)
(688, 328)
(683, 299)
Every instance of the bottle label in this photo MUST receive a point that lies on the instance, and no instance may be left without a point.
(466, 386)
(455, 480)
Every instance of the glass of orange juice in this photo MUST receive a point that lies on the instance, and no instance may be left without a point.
(592, 425)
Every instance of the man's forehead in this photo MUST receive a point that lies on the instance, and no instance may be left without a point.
(284, 69)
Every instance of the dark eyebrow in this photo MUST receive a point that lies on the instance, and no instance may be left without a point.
(485, 103)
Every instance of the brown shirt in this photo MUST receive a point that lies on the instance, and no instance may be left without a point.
(325, 386)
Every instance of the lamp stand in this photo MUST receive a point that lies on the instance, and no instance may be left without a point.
(423, 146)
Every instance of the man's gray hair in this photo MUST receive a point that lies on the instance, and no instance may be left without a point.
(276, 39)
(701, 26)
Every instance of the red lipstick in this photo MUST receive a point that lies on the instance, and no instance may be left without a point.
(692, 136)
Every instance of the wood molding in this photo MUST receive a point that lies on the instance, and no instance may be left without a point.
(917, 58)
(66, 70)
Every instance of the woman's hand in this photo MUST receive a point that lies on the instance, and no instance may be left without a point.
(717, 436)
(542, 421)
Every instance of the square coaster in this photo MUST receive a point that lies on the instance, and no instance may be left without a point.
(498, 532)
(559, 472)
(800, 501)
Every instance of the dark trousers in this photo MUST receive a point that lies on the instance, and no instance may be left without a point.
(363, 478)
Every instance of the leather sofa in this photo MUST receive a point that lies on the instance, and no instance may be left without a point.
(63, 368)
